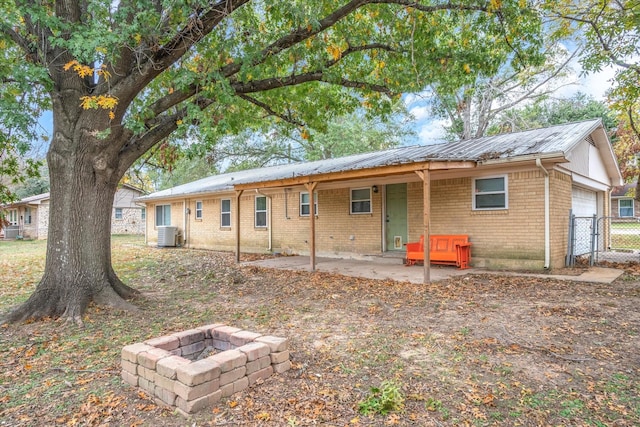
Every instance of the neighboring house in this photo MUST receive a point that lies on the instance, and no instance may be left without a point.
(511, 194)
(128, 217)
(29, 217)
(623, 204)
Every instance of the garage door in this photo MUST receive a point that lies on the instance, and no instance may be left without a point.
(584, 206)
(584, 202)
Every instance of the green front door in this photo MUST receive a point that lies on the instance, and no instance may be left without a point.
(396, 217)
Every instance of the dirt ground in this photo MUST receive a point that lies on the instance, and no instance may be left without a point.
(471, 350)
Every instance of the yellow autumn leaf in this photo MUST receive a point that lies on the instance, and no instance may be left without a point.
(264, 416)
(334, 51)
(467, 68)
(179, 122)
(104, 73)
(87, 102)
(107, 102)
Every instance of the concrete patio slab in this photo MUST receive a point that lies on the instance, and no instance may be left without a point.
(393, 269)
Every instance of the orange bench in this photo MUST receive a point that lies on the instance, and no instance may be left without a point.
(449, 249)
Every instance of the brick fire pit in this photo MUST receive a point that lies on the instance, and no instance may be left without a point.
(194, 369)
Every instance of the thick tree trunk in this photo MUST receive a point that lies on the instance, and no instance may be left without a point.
(78, 266)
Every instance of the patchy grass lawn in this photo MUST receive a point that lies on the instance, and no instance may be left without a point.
(473, 350)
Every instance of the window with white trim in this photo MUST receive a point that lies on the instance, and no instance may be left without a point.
(225, 213)
(490, 193)
(199, 209)
(625, 208)
(143, 214)
(305, 203)
(13, 217)
(163, 215)
(118, 214)
(261, 212)
(361, 201)
(27, 215)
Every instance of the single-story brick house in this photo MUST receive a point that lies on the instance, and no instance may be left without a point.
(623, 203)
(29, 217)
(511, 194)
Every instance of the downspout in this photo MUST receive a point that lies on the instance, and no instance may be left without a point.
(269, 222)
(547, 225)
(184, 222)
(146, 222)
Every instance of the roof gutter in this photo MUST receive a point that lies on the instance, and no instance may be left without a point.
(547, 225)
(557, 156)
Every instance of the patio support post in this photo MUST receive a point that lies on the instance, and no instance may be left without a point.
(238, 194)
(311, 187)
(426, 217)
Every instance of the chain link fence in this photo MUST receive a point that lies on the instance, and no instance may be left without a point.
(599, 240)
(618, 239)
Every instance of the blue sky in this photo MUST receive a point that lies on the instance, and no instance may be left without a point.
(430, 129)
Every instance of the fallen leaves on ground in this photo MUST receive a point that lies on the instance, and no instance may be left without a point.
(471, 350)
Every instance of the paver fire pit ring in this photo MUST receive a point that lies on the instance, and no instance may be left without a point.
(178, 370)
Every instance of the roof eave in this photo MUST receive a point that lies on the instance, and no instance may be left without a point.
(556, 157)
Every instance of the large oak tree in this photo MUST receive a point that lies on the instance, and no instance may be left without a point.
(123, 76)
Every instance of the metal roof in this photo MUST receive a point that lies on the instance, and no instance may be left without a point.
(31, 200)
(555, 139)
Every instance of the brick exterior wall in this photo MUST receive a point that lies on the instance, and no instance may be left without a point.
(500, 238)
(509, 238)
(560, 200)
(130, 223)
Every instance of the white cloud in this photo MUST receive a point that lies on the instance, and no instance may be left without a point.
(420, 112)
(432, 131)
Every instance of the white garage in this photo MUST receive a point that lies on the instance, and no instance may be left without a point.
(584, 205)
(584, 202)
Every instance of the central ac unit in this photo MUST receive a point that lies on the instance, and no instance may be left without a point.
(167, 236)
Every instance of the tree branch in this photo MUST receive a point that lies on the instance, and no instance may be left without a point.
(269, 110)
(198, 26)
(301, 34)
(315, 76)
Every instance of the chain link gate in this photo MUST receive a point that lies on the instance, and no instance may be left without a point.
(582, 239)
(605, 239)
(618, 240)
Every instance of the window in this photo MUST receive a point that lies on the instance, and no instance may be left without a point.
(199, 209)
(490, 193)
(118, 213)
(225, 213)
(304, 203)
(361, 200)
(13, 217)
(625, 207)
(27, 215)
(163, 215)
(143, 214)
(261, 211)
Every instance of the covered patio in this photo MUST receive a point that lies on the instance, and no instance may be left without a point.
(391, 268)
